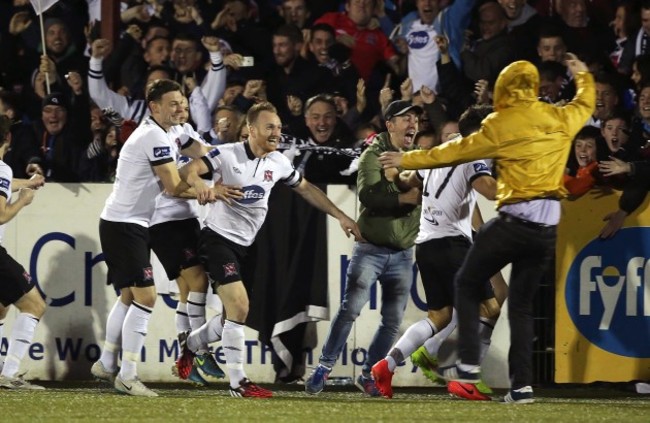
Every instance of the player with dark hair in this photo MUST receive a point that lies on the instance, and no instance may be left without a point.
(146, 166)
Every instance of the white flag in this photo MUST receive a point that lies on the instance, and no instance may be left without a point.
(41, 6)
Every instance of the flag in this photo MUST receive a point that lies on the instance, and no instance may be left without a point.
(41, 6)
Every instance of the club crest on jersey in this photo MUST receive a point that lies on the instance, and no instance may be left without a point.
(147, 273)
(161, 152)
(480, 167)
(268, 176)
(252, 194)
(189, 253)
(27, 277)
(229, 269)
(4, 183)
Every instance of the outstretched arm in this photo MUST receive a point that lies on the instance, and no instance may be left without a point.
(9, 210)
(35, 182)
(318, 199)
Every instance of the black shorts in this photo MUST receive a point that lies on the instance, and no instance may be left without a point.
(126, 251)
(14, 279)
(221, 257)
(176, 245)
(438, 261)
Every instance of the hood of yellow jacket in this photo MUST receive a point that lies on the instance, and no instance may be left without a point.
(517, 83)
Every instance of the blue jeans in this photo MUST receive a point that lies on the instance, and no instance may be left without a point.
(371, 263)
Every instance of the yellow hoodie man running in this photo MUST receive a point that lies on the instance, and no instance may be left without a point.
(530, 141)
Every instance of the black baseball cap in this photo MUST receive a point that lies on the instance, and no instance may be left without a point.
(54, 99)
(400, 107)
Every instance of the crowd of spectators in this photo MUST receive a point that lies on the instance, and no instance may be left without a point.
(329, 68)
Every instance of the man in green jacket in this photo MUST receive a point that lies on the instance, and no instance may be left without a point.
(389, 220)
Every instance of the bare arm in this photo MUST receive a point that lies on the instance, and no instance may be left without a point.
(192, 182)
(318, 199)
(486, 186)
(35, 182)
(9, 210)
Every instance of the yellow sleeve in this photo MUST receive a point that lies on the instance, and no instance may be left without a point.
(582, 106)
(476, 146)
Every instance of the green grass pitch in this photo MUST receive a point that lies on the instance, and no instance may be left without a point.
(89, 401)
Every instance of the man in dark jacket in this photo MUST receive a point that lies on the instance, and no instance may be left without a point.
(62, 140)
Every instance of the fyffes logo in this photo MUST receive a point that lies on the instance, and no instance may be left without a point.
(608, 293)
(418, 39)
(252, 193)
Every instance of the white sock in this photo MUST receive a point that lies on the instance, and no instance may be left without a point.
(210, 332)
(2, 328)
(20, 339)
(196, 314)
(233, 346)
(181, 319)
(414, 336)
(433, 344)
(485, 328)
(134, 331)
(113, 340)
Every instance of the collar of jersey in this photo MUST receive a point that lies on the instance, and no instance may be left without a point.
(249, 152)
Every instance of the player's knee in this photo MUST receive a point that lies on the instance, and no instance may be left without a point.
(144, 296)
(440, 318)
(32, 303)
(238, 309)
(490, 309)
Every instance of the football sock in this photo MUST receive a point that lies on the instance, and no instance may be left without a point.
(432, 344)
(233, 347)
(134, 331)
(485, 329)
(208, 333)
(113, 340)
(414, 336)
(196, 314)
(181, 319)
(20, 339)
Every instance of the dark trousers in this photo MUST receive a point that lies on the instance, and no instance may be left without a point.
(530, 249)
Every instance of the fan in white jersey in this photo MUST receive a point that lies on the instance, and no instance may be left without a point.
(448, 200)
(16, 286)
(231, 226)
(145, 167)
(203, 99)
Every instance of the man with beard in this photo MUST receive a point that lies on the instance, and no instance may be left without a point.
(62, 54)
(231, 227)
(389, 221)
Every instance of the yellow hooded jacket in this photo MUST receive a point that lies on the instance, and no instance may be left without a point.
(529, 139)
